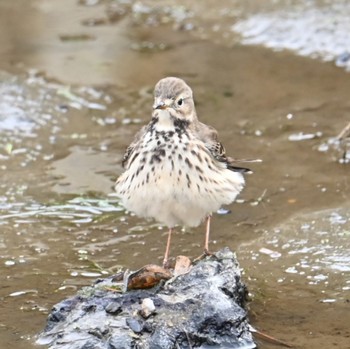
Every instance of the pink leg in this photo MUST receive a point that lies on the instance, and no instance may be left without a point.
(165, 260)
(207, 232)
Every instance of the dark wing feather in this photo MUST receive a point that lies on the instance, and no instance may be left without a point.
(209, 136)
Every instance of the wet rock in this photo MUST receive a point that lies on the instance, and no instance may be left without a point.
(113, 308)
(135, 325)
(122, 341)
(199, 309)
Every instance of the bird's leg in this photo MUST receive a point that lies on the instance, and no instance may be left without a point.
(206, 242)
(166, 255)
(207, 232)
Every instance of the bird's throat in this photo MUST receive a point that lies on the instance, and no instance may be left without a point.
(165, 121)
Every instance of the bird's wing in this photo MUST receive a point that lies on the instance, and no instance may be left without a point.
(209, 136)
(130, 150)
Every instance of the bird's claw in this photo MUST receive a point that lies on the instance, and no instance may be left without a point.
(206, 253)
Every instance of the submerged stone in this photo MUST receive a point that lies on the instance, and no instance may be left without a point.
(203, 308)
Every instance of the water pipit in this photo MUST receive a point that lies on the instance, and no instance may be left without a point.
(177, 171)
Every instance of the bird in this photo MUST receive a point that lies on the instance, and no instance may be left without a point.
(176, 170)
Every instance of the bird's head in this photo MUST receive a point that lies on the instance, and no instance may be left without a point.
(174, 96)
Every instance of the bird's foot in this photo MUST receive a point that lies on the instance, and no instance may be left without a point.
(165, 264)
(168, 263)
(206, 253)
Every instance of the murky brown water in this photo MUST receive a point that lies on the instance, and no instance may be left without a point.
(64, 127)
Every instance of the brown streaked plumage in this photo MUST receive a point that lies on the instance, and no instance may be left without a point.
(176, 170)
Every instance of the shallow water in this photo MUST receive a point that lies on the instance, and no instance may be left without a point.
(76, 84)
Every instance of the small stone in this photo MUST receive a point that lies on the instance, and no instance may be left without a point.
(113, 308)
(148, 308)
(182, 265)
(135, 325)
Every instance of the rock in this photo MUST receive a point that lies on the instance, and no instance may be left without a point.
(202, 308)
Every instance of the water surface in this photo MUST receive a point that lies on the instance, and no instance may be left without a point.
(76, 83)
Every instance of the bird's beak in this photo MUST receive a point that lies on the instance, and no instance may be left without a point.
(160, 105)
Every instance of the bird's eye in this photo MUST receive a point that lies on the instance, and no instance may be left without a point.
(180, 101)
